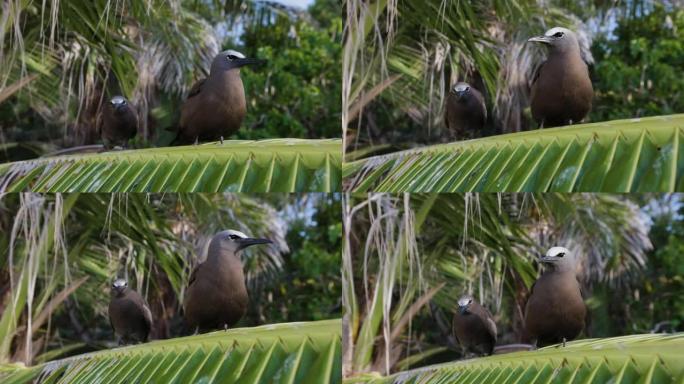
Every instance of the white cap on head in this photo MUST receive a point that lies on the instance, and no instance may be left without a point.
(119, 283)
(465, 300)
(460, 87)
(235, 53)
(557, 252)
(234, 232)
(117, 100)
(555, 30)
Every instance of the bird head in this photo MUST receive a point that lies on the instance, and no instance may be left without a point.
(118, 102)
(464, 304)
(558, 39)
(559, 258)
(234, 241)
(232, 59)
(461, 90)
(119, 286)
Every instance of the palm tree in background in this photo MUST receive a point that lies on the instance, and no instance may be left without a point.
(401, 56)
(62, 59)
(63, 251)
(406, 253)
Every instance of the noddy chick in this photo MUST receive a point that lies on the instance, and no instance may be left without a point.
(561, 87)
(465, 113)
(119, 123)
(555, 311)
(129, 316)
(216, 297)
(474, 327)
(215, 105)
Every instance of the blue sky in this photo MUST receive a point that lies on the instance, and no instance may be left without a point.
(297, 3)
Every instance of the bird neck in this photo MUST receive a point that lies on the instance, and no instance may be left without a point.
(219, 255)
(560, 268)
(224, 74)
(570, 52)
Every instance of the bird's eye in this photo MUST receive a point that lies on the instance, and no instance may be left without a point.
(232, 57)
(561, 254)
(234, 237)
(558, 34)
(470, 301)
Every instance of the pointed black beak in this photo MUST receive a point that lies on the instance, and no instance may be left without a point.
(462, 309)
(539, 39)
(248, 61)
(244, 243)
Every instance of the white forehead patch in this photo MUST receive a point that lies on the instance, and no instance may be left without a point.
(557, 250)
(464, 300)
(118, 283)
(234, 53)
(555, 30)
(116, 100)
(236, 233)
(460, 87)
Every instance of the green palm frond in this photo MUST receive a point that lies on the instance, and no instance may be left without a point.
(644, 358)
(278, 353)
(635, 155)
(278, 165)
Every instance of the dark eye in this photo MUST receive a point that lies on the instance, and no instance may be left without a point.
(234, 237)
(561, 254)
(232, 57)
(558, 34)
(467, 89)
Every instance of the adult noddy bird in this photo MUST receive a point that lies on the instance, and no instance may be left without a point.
(215, 105)
(555, 310)
(561, 87)
(474, 327)
(129, 316)
(465, 113)
(119, 123)
(216, 297)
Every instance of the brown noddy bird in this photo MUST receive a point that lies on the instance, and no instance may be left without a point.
(119, 123)
(129, 315)
(555, 311)
(474, 327)
(215, 105)
(561, 87)
(465, 113)
(216, 297)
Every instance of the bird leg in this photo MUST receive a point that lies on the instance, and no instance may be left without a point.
(225, 327)
(196, 141)
(221, 140)
(564, 342)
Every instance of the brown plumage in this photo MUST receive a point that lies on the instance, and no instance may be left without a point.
(465, 113)
(555, 311)
(129, 315)
(474, 327)
(118, 123)
(215, 105)
(216, 297)
(561, 88)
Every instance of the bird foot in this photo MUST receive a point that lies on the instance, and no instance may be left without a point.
(221, 140)
(225, 327)
(196, 141)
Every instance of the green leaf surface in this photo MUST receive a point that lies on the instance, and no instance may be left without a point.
(635, 155)
(306, 352)
(648, 358)
(278, 165)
